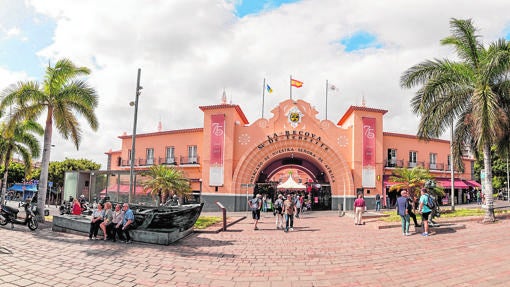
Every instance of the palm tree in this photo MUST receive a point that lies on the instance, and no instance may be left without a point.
(63, 96)
(412, 180)
(22, 141)
(474, 91)
(166, 181)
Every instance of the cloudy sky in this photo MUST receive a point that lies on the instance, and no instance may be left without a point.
(190, 51)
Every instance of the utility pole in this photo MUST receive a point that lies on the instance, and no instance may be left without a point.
(133, 140)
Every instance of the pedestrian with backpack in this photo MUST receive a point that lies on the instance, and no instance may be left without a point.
(425, 211)
(255, 204)
(278, 212)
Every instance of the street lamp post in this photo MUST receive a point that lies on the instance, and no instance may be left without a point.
(507, 181)
(133, 140)
(451, 171)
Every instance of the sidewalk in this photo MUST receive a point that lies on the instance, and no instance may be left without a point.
(323, 250)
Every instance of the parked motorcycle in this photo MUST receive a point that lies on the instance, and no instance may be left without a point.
(66, 206)
(10, 215)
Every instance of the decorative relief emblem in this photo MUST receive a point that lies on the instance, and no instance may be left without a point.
(244, 139)
(325, 125)
(342, 141)
(263, 123)
(294, 116)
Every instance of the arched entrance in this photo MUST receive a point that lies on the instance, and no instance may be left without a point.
(320, 163)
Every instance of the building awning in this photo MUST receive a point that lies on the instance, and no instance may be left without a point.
(19, 187)
(447, 183)
(472, 183)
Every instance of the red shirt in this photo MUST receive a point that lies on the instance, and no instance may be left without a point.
(76, 208)
(359, 202)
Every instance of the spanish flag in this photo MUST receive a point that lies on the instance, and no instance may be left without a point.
(296, 83)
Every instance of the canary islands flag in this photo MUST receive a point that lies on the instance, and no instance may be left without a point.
(269, 90)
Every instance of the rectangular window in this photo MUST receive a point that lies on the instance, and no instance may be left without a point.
(170, 155)
(150, 156)
(392, 157)
(449, 164)
(129, 157)
(412, 158)
(433, 160)
(192, 154)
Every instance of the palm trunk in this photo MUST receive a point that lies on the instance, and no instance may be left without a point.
(45, 162)
(489, 200)
(6, 173)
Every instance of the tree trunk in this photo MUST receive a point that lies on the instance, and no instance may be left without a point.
(45, 162)
(6, 173)
(489, 200)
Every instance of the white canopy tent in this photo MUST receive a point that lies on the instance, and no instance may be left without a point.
(291, 184)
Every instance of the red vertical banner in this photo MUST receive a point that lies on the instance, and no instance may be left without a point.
(368, 158)
(217, 148)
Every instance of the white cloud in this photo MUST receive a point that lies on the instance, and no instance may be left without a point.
(189, 51)
(12, 32)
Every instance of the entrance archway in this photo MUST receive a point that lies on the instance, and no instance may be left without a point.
(309, 156)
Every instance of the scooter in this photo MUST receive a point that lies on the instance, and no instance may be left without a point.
(10, 215)
(66, 207)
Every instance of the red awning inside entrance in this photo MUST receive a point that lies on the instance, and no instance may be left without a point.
(446, 183)
(472, 183)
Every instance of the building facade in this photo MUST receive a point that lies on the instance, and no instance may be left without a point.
(229, 159)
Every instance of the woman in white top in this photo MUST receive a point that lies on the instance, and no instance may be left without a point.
(97, 218)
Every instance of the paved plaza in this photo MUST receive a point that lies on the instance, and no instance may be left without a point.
(323, 250)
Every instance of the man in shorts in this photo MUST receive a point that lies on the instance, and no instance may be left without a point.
(255, 204)
(425, 211)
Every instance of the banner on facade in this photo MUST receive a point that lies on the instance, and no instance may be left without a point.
(368, 158)
(217, 148)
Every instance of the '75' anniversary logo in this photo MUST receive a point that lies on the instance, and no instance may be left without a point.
(369, 131)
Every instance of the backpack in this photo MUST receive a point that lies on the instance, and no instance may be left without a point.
(430, 202)
(254, 204)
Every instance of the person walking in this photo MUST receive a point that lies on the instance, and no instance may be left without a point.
(403, 211)
(255, 204)
(424, 211)
(289, 210)
(278, 211)
(377, 202)
(411, 208)
(298, 202)
(359, 208)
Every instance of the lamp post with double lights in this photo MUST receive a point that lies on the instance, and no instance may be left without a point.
(133, 140)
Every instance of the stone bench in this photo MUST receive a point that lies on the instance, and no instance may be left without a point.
(80, 224)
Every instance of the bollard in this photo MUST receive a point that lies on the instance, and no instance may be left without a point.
(224, 211)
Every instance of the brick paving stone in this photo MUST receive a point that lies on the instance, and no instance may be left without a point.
(324, 250)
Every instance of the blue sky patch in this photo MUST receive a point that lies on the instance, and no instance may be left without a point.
(248, 7)
(19, 50)
(359, 41)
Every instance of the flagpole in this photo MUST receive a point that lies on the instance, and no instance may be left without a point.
(290, 83)
(263, 95)
(327, 99)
